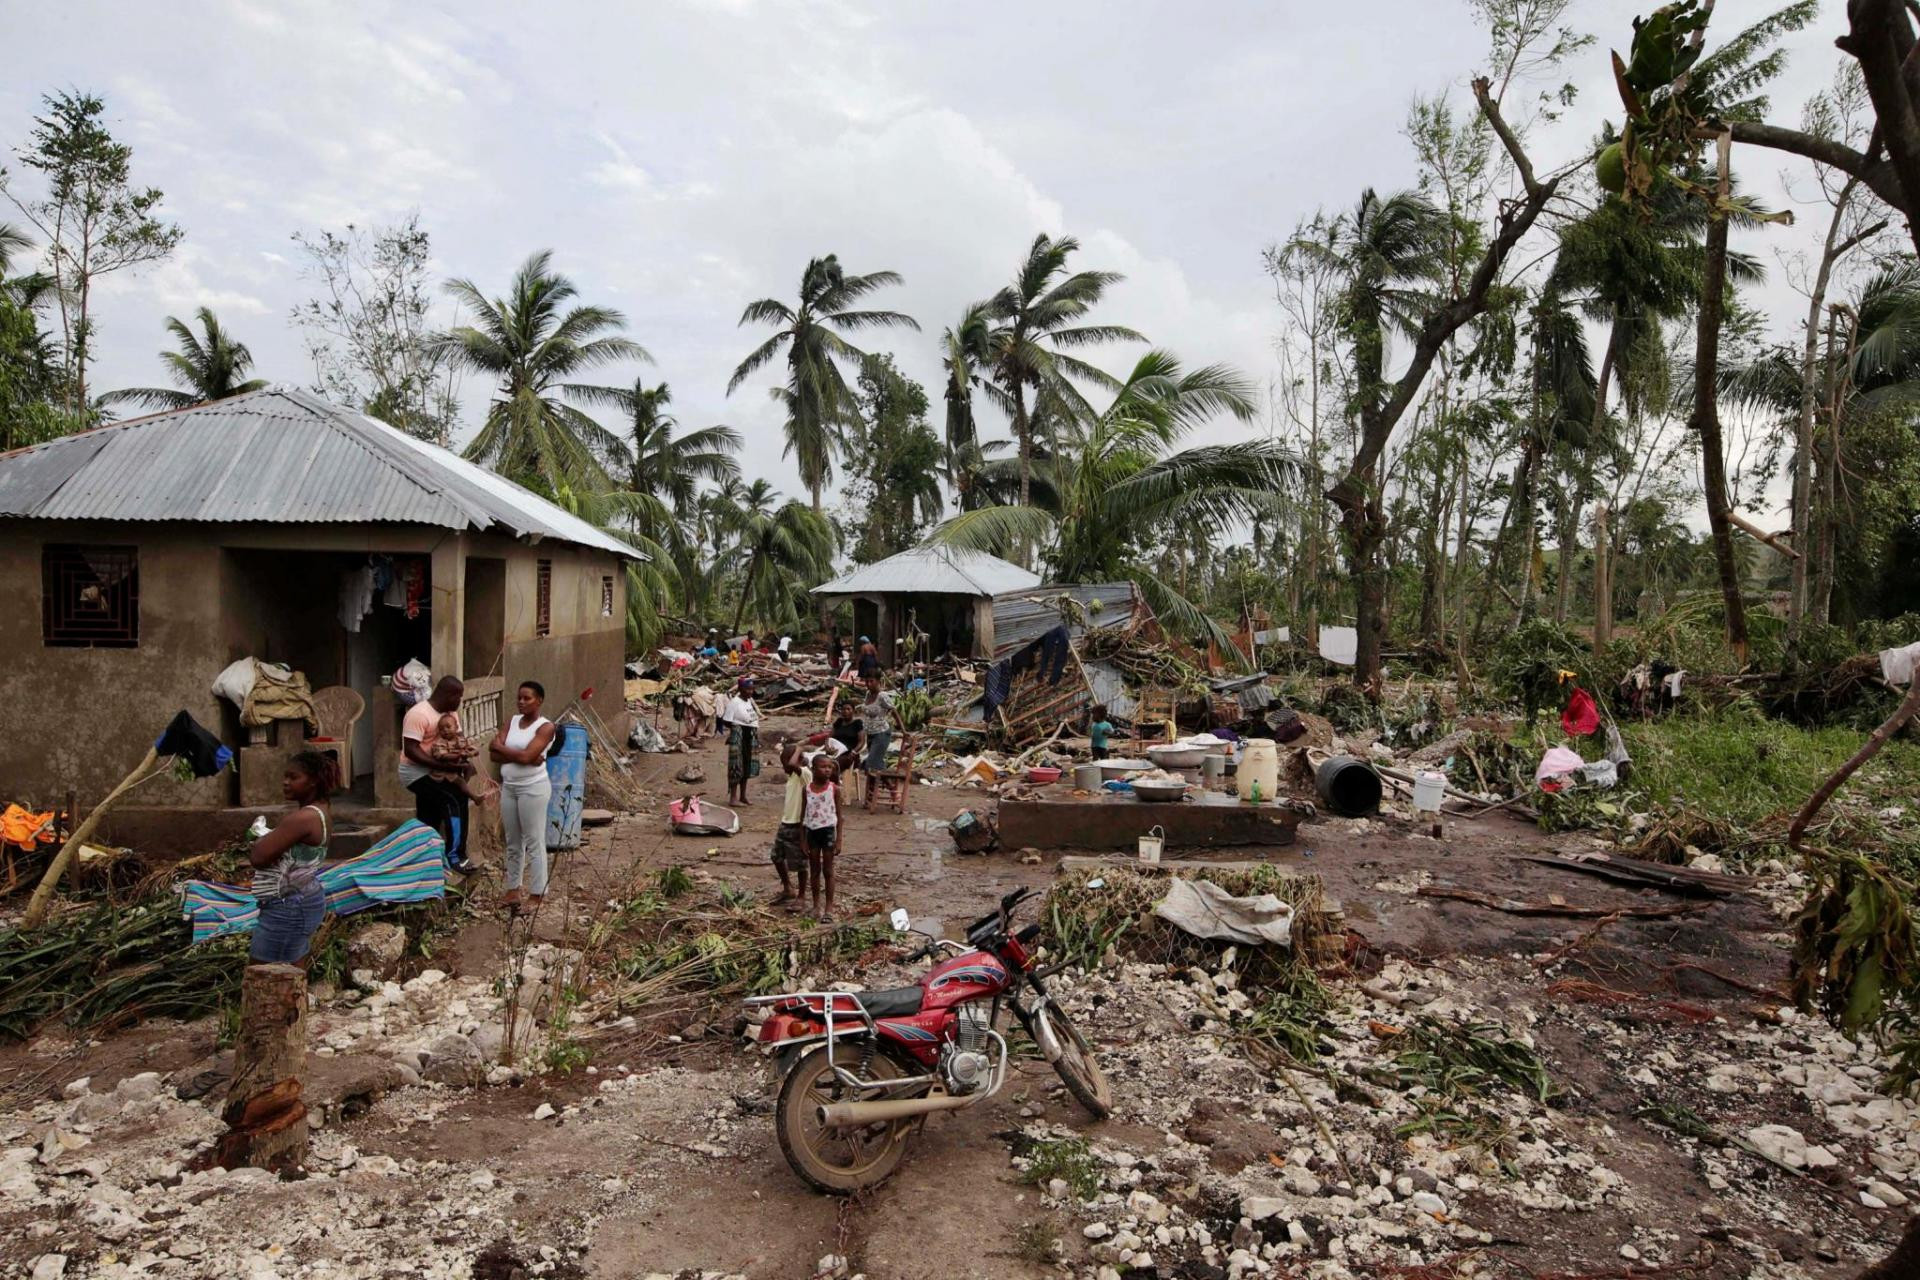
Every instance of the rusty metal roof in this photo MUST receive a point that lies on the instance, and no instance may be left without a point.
(277, 456)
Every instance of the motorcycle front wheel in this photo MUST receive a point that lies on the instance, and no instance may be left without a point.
(1074, 1060)
(836, 1161)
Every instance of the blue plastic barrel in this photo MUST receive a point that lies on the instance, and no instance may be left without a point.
(567, 771)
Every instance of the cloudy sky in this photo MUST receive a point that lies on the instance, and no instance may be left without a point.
(682, 157)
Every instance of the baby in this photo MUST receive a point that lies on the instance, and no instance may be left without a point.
(449, 746)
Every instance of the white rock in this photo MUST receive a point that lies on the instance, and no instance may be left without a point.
(1096, 1231)
(1886, 1194)
(543, 1111)
(140, 1087)
(1260, 1208)
(50, 1266)
(1427, 1202)
(1818, 1157)
(74, 1088)
(1779, 1143)
(1630, 1253)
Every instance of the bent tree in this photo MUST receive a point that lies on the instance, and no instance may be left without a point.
(1381, 405)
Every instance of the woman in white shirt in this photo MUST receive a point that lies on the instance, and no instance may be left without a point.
(742, 717)
(520, 749)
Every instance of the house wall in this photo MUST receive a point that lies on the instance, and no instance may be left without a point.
(82, 718)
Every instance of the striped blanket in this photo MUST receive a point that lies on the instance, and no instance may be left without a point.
(409, 865)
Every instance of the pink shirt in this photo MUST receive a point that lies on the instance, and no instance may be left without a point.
(420, 724)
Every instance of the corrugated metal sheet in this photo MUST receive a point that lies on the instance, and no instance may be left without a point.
(276, 456)
(934, 571)
(1109, 688)
(1021, 617)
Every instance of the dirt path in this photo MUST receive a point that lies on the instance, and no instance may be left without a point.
(661, 1158)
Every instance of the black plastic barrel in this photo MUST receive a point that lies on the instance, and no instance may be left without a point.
(1348, 786)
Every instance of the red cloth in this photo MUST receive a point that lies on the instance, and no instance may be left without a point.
(1581, 717)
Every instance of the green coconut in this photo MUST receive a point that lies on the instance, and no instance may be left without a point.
(1611, 169)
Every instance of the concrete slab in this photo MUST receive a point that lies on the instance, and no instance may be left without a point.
(1204, 820)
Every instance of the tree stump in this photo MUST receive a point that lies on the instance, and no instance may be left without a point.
(265, 1115)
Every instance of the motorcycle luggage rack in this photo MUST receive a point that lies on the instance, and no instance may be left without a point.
(834, 1004)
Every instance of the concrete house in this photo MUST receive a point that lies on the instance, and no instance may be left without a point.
(945, 593)
(143, 557)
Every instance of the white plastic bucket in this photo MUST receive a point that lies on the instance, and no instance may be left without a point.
(1429, 788)
(1152, 844)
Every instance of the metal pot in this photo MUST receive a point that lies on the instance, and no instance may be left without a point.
(1159, 792)
(1120, 768)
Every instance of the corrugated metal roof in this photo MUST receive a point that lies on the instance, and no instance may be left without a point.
(276, 456)
(1023, 616)
(932, 570)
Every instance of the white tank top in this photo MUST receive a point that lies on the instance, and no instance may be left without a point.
(519, 739)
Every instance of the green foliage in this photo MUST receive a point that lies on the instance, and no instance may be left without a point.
(820, 405)
(674, 882)
(1743, 770)
(538, 347)
(211, 365)
(1069, 1159)
(1527, 662)
(1291, 1015)
(893, 465)
(566, 1056)
(1452, 1059)
(1857, 957)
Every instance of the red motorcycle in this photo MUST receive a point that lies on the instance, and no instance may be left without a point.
(860, 1069)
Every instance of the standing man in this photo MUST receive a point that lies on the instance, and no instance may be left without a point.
(440, 804)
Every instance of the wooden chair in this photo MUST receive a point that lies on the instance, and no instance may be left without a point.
(338, 708)
(890, 785)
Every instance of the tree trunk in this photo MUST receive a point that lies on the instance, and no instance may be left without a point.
(1602, 579)
(43, 892)
(1893, 724)
(1706, 414)
(1366, 530)
(1803, 432)
(1881, 37)
(265, 1116)
(746, 589)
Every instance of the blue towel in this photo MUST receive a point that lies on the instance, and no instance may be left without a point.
(409, 865)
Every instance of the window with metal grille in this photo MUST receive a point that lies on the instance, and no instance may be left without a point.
(543, 600)
(89, 597)
(606, 597)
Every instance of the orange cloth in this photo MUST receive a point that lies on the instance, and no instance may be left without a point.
(19, 827)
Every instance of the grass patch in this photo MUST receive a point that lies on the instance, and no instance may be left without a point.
(566, 1056)
(1737, 769)
(1034, 1240)
(1068, 1159)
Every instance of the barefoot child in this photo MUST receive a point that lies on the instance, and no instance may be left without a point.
(790, 840)
(822, 819)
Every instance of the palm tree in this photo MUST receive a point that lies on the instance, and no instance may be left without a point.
(1121, 488)
(787, 547)
(965, 350)
(534, 347)
(818, 401)
(658, 462)
(209, 366)
(1037, 321)
(12, 240)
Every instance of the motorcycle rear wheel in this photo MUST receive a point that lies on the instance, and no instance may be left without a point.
(1075, 1065)
(836, 1161)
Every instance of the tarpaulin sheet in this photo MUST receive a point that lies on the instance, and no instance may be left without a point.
(1205, 910)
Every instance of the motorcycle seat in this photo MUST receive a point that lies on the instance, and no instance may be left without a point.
(899, 1002)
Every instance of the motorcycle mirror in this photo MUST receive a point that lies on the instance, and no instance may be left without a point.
(900, 919)
(1096, 883)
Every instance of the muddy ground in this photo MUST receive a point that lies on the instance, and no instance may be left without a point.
(661, 1159)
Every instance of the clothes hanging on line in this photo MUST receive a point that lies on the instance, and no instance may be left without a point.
(356, 596)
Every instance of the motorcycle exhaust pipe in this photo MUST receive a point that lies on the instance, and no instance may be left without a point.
(849, 1115)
